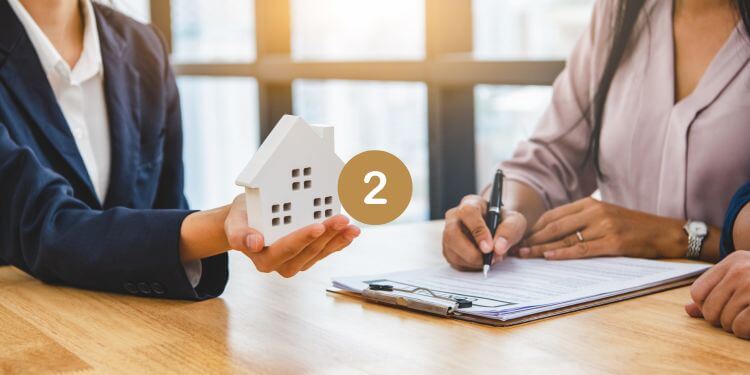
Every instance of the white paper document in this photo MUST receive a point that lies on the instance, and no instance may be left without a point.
(517, 288)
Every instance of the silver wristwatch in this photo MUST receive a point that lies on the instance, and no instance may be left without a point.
(697, 232)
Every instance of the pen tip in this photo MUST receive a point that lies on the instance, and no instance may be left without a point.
(485, 270)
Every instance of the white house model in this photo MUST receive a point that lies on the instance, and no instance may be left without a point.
(292, 181)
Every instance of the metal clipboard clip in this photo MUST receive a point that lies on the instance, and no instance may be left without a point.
(415, 299)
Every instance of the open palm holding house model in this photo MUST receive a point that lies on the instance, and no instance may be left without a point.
(296, 179)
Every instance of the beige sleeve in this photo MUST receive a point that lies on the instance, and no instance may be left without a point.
(552, 160)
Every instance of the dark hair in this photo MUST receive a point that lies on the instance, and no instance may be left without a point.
(624, 23)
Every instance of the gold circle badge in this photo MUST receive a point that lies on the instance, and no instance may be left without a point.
(375, 187)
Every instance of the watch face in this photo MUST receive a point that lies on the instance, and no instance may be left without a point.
(697, 228)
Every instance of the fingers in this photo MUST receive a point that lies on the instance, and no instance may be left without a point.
(453, 259)
(463, 248)
(244, 238)
(471, 214)
(458, 249)
(560, 212)
(722, 294)
(466, 235)
(539, 250)
(286, 248)
(303, 248)
(239, 235)
(333, 226)
(342, 240)
(458, 263)
(568, 242)
(693, 310)
(559, 228)
(716, 300)
(498, 258)
(701, 288)
(741, 324)
(509, 233)
(585, 249)
(735, 305)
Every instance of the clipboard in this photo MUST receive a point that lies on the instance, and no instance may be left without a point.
(387, 297)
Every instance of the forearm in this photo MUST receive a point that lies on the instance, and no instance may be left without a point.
(202, 234)
(668, 239)
(671, 241)
(712, 246)
(521, 198)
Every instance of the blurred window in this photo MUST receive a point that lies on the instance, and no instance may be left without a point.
(505, 115)
(213, 31)
(523, 29)
(216, 36)
(390, 116)
(220, 126)
(137, 9)
(358, 29)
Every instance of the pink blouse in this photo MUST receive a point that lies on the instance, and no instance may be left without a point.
(682, 160)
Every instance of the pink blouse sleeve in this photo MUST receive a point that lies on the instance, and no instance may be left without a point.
(552, 160)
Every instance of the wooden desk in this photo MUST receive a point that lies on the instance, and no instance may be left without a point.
(267, 324)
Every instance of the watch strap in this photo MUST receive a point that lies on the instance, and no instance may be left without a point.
(695, 238)
(695, 244)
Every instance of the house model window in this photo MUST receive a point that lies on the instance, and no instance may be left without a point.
(292, 181)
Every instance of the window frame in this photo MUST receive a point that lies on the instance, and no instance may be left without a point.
(448, 69)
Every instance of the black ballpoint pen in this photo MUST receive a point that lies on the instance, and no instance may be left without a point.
(493, 216)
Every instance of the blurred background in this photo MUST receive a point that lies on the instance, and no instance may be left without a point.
(449, 86)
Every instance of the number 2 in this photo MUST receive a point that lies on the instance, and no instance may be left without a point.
(370, 197)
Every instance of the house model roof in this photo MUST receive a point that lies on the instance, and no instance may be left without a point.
(287, 124)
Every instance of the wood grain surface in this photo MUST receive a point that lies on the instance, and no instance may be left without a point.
(267, 324)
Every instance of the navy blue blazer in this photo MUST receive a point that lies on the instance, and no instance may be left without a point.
(52, 225)
(740, 199)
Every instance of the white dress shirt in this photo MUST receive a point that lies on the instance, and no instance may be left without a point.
(79, 92)
(80, 95)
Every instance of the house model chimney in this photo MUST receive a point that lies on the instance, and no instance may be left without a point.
(325, 132)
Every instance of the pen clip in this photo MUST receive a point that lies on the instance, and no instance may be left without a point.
(389, 294)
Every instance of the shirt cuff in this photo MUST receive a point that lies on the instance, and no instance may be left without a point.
(194, 271)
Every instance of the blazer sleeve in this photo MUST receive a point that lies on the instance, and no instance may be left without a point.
(740, 199)
(170, 193)
(552, 160)
(48, 233)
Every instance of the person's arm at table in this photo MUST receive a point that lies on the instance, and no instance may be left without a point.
(546, 171)
(203, 235)
(721, 296)
(466, 235)
(48, 233)
(611, 230)
(208, 233)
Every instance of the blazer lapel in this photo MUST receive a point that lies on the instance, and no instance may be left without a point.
(121, 82)
(23, 75)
